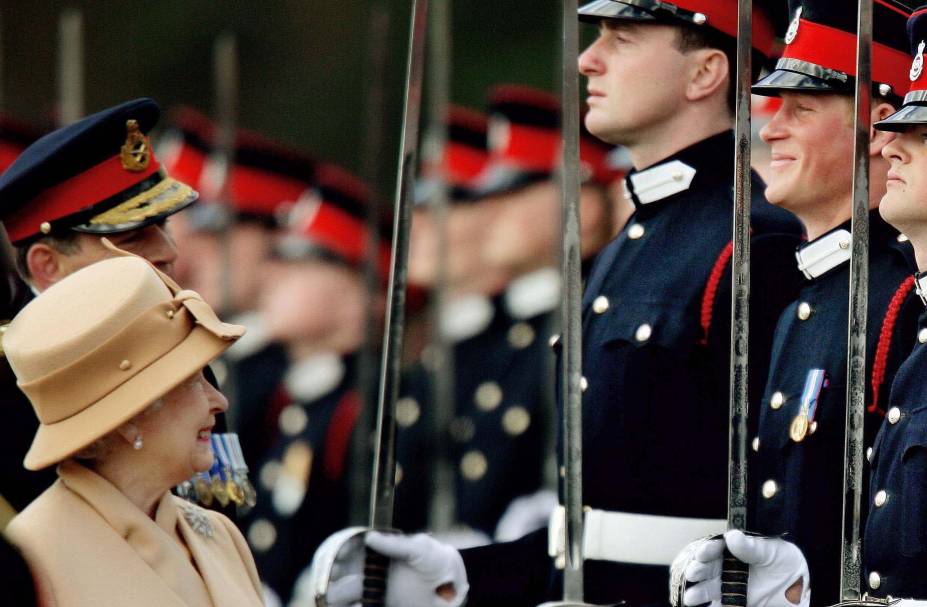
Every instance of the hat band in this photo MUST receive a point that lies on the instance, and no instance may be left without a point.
(260, 192)
(336, 230)
(104, 181)
(145, 340)
(824, 46)
(915, 97)
(529, 148)
(463, 163)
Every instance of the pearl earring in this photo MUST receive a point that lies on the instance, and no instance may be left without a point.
(137, 445)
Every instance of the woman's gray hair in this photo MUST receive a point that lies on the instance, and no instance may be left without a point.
(99, 449)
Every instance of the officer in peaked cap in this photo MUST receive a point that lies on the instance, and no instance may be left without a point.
(656, 312)
(94, 178)
(798, 451)
(895, 542)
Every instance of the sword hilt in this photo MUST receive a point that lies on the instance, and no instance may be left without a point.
(734, 574)
(376, 571)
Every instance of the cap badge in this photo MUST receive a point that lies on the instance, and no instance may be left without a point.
(135, 153)
(793, 27)
(917, 66)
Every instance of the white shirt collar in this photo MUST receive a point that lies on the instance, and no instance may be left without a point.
(824, 253)
(533, 294)
(659, 182)
(920, 285)
(466, 316)
(312, 378)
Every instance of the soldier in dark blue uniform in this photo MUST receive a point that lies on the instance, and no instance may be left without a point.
(799, 446)
(656, 311)
(313, 305)
(895, 538)
(894, 542)
(98, 177)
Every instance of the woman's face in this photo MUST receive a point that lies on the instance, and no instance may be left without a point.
(177, 433)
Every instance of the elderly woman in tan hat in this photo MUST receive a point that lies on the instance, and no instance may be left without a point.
(111, 358)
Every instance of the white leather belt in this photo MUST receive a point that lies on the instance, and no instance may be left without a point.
(624, 537)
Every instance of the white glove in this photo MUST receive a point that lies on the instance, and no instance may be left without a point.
(526, 514)
(419, 565)
(775, 566)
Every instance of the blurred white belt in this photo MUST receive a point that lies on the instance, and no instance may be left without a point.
(625, 537)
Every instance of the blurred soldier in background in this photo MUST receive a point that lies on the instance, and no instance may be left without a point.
(313, 304)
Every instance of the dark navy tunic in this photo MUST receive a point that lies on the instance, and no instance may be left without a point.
(497, 440)
(797, 487)
(895, 539)
(302, 484)
(655, 427)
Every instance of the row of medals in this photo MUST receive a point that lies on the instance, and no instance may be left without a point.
(226, 482)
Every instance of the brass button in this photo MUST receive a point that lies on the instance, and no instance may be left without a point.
(922, 336)
(777, 400)
(769, 489)
(125, 365)
(473, 465)
(885, 89)
(554, 341)
(880, 498)
(600, 304)
(869, 454)
(488, 396)
(813, 427)
(521, 335)
(894, 414)
(293, 419)
(269, 474)
(699, 19)
(262, 534)
(636, 231)
(399, 475)
(583, 383)
(804, 310)
(407, 411)
(516, 420)
(875, 580)
(643, 333)
(902, 238)
(844, 244)
(756, 443)
(45, 227)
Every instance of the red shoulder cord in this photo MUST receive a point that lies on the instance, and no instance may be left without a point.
(711, 289)
(885, 342)
(338, 437)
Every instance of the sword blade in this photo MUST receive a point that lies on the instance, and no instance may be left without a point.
(384, 469)
(850, 577)
(570, 310)
(734, 573)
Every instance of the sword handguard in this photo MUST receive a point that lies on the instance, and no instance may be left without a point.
(376, 573)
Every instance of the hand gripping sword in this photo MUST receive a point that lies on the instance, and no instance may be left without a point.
(570, 311)
(384, 467)
(850, 558)
(734, 573)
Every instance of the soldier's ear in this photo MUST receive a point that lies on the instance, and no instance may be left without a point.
(879, 139)
(45, 265)
(709, 75)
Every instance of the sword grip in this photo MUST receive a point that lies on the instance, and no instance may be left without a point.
(734, 574)
(376, 569)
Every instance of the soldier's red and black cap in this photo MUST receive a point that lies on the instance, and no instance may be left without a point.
(525, 142)
(914, 110)
(465, 156)
(719, 15)
(820, 51)
(265, 179)
(330, 223)
(98, 175)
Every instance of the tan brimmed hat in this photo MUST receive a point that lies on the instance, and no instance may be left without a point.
(98, 347)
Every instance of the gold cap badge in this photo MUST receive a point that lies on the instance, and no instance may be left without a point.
(135, 153)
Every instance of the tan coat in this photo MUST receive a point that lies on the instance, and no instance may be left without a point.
(89, 546)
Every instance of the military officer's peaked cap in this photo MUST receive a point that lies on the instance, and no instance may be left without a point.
(718, 15)
(98, 175)
(820, 52)
(914, 110)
